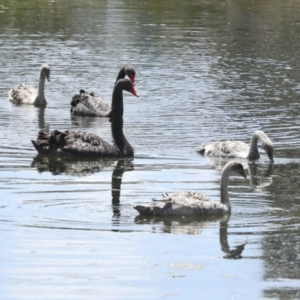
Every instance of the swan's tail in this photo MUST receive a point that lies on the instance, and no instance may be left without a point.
(35, 145)
(202, 149)
(43, 141)
(143, 209)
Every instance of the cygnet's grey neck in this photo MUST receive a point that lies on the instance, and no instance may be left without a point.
(41, 94)
(253, 150)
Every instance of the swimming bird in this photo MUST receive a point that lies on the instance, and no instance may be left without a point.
(25, 94)
(90, 104)
(239, 149)
(193, 203)
(87, 144)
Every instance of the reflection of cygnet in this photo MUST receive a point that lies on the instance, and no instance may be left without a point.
(260, 177)
(183, 226)
(192, 225)
(233, 253)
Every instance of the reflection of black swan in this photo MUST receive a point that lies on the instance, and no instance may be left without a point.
(116, 180)
(238, 149)
(90, 104)
(193, 203)
(123, 165)
(88, 144)
(25, 94)
(71, 165)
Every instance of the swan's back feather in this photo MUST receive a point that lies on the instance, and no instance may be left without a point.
(23, 94)
(85, 104)
(182, 196)
(73, 143)
(183, 203)
(229, 149)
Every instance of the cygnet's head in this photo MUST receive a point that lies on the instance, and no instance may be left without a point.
(45, 70)
(238, 168)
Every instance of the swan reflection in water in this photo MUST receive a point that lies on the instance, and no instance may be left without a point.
(85, 167)
(86, 122)
(235, 253)
(123, 165)
(41, 119)
(194, 225)
(70, 165)
(260, 175)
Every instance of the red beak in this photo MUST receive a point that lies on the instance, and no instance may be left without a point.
(133, 92)
(131, 77)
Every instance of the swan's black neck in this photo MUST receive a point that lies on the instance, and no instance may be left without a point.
(224, 186)
(120, 140)
(121, 74)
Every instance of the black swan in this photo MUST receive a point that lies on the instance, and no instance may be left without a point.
(239, 149)
(24, 94)
(88, 144)
(193, 203)
(90, 104)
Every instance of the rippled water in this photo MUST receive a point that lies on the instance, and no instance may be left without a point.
(206, 71)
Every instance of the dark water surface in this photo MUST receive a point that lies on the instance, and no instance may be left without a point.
(206, 71)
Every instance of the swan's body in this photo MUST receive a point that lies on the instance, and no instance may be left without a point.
(193, 203)
(239, 149)
(90, 104)
(24, 94)
(87, 144)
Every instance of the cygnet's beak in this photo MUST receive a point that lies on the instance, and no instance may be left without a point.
(270, 154)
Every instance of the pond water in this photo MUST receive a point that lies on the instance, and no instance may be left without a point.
(205, 71)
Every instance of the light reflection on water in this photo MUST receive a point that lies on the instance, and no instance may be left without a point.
(211, 72)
